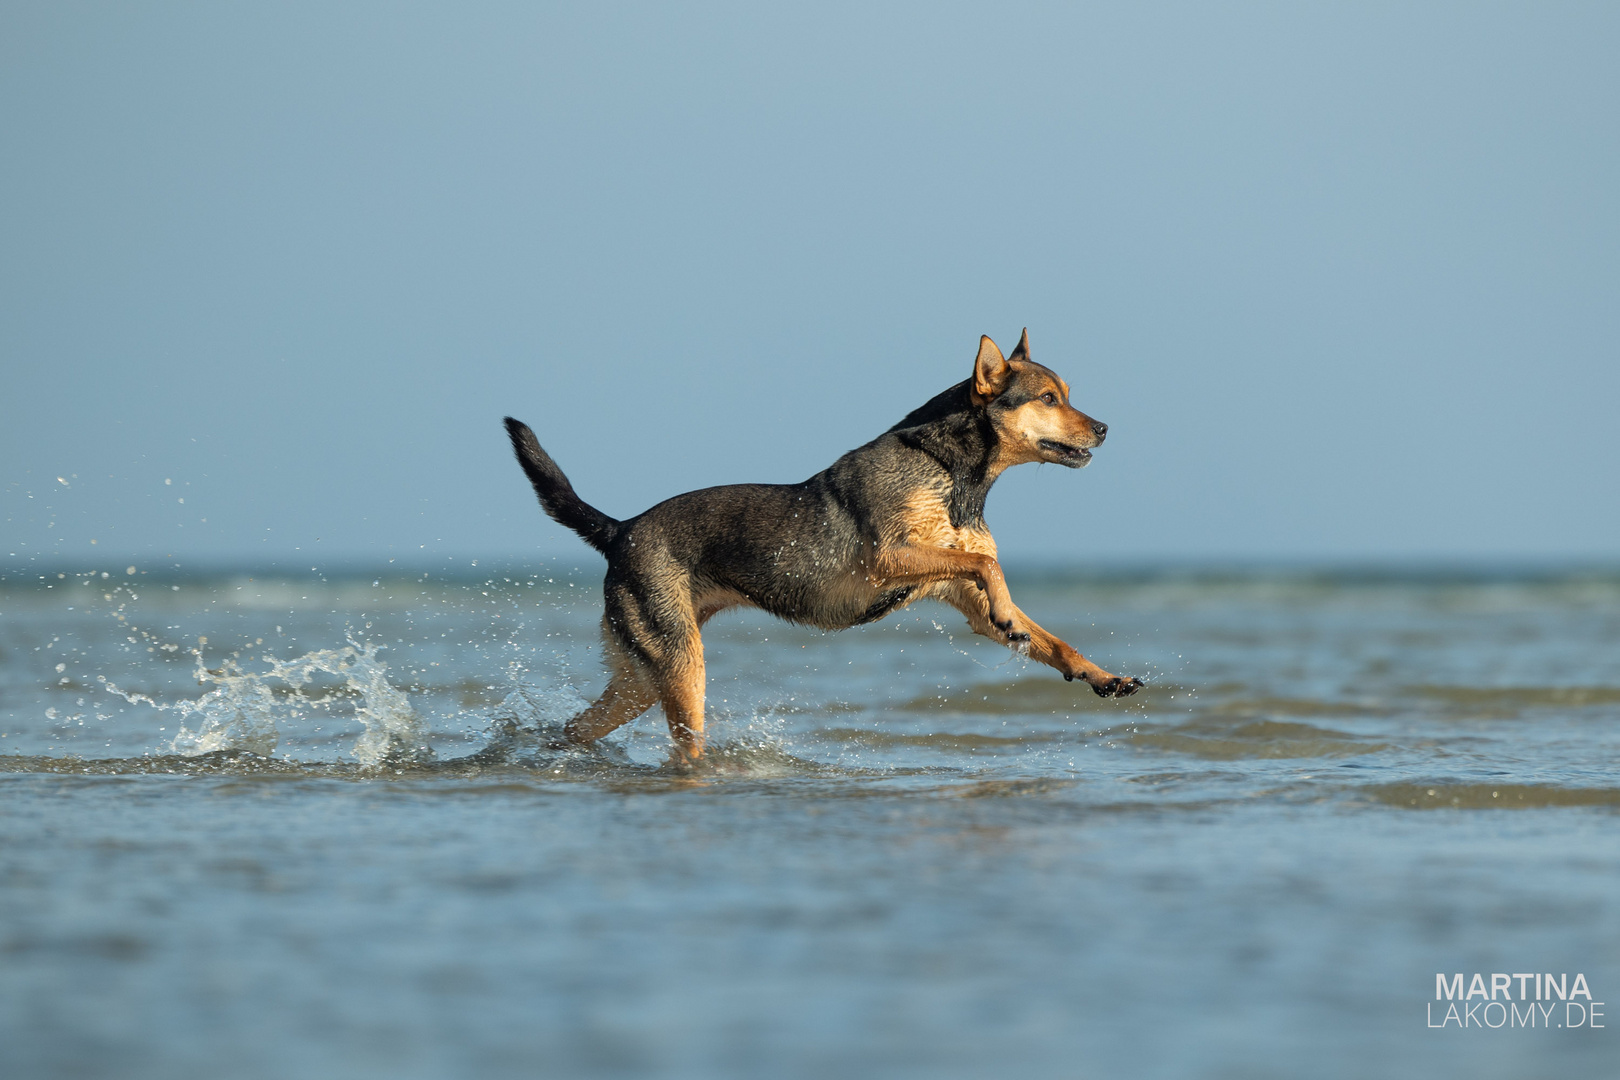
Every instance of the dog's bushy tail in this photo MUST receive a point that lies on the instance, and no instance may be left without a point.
(556, 493)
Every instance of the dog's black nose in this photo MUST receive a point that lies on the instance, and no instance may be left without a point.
(1100, 428)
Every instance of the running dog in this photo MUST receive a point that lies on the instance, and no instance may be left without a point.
(897, 520)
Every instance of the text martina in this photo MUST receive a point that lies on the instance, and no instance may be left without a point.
(1552, 1006)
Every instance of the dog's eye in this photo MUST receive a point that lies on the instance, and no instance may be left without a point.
(1049, 397)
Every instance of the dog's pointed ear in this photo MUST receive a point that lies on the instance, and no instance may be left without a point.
(991, 372)
(1022, 352)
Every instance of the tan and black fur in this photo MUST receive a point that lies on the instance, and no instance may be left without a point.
(896, 520)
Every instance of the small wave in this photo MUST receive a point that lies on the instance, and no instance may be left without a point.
(1222, 740)
(1014, 788)
(1294, 706)
(1450, 796)
(1035, 695)
(943, 741)
(1476, 697)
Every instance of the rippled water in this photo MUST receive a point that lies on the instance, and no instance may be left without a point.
(295, 824)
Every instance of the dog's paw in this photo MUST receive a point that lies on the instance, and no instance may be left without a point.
(1116, 686)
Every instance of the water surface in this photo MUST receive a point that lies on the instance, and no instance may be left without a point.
(272, 824)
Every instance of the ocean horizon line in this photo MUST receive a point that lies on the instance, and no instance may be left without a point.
(1344, 570)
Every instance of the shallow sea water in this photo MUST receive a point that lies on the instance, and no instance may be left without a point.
(331, 840)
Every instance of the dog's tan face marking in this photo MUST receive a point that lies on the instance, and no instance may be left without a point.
(1029, 408)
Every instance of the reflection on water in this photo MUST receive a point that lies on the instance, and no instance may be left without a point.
(330, 822)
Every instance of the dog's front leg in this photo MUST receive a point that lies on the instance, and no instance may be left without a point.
(1044, 645)
(906, 564)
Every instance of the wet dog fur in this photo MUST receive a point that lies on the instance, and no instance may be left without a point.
(897, 520)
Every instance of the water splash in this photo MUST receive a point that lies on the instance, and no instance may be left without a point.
(541, 708)
(244, 711)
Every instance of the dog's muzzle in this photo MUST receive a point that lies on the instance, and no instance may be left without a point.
(1075, 457)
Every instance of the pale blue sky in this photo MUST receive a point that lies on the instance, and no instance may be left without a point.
(1344, 280)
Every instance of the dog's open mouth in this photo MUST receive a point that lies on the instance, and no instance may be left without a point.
(1074, 457)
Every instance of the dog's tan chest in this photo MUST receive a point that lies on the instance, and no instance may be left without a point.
(925, 521)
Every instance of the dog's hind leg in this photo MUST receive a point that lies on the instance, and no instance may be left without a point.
(629, 693)
(654, 621)
(1043, 645)
(681, 689)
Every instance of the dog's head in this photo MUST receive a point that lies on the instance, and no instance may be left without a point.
(1029, 408)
